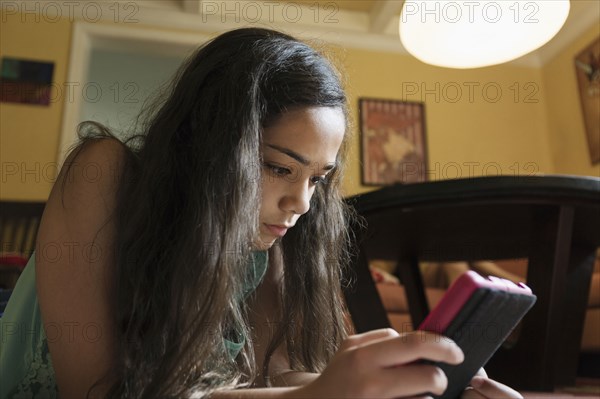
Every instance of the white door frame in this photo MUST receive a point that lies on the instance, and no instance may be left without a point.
(88, 36)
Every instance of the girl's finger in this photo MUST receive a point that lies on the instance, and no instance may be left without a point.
(493, 389)
(481, 373)
(471, 393)
(369, 336)
(417, 379)
(408, 348)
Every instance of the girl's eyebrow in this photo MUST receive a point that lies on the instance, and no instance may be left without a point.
(297, 156)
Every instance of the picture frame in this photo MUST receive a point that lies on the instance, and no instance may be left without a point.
(26, 81)
(587, 67)
(393, 142)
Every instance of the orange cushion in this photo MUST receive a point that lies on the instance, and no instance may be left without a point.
(394, 297)
(519, 267)
(591, 330)
(400, 322)
(515, 266)
(594, 301)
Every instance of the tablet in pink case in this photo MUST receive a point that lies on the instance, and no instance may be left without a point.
(477, 313)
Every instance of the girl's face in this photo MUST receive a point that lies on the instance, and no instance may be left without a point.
(299, 150)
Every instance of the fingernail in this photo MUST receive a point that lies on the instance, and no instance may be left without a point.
(477, 382)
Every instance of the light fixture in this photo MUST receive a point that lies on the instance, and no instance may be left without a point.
(473, 34)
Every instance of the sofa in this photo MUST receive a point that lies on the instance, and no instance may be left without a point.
(437, 277)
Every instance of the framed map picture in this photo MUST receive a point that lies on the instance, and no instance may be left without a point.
(587, 65)
(393, 145)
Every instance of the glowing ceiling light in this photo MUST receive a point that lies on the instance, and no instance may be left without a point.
(472, 34)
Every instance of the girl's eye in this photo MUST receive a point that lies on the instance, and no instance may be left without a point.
(282, 172)
(278, 170)
(318, 180)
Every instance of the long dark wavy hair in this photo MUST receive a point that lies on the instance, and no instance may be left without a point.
(188, 205)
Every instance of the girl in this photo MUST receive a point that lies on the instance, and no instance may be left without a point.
(204, 257)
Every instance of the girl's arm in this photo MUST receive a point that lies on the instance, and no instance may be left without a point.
(381, 364)
(293, 378)
(259, 393)
(74, 268)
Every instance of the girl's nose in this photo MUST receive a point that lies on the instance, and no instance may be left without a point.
(297, 199)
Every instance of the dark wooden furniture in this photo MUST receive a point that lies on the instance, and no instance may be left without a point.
(552, 220)
(19, 222)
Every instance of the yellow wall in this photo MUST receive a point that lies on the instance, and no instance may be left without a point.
(469, 133)
(29, 134)
(568, 141)
(485, 121)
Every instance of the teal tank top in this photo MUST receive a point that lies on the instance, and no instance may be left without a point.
(25, 363)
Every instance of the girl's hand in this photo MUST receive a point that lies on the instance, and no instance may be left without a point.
(381, 364)
(484, 388)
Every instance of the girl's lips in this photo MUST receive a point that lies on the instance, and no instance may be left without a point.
(279, 231)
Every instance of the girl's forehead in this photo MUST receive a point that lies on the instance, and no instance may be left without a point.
(307, 135)
(300, 123)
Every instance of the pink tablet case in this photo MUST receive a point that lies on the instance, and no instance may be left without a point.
(478, 314)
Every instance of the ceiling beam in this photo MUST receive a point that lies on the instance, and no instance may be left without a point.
(192, 6)
(382, 13)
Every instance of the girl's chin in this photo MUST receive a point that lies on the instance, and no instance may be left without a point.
(263, 243)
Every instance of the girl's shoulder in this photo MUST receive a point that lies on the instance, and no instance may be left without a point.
(105, 154)
(93, 168)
